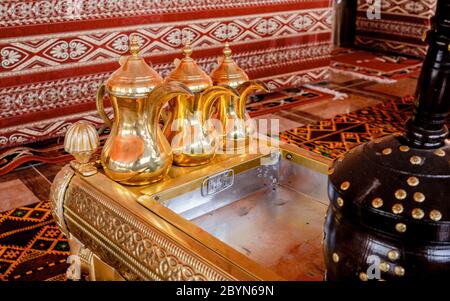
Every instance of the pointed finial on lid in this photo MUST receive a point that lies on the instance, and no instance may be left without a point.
(187, 50)
(227, 51)
(227, 71)
(134, 45)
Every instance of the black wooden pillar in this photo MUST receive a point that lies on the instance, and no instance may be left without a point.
(426, 129)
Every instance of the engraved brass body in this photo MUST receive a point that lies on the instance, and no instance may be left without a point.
(136, 152)
(193, 139)
(237, 126)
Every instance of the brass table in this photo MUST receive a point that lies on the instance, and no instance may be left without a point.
(241, 217)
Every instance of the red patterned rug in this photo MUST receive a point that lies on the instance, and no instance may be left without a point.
(331, 138)
(282, 99)
(373, 66)
(31, 245)
(398, 27)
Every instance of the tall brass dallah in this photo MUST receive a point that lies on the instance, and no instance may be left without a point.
(237, 127)
(193, 141)
(136, 152)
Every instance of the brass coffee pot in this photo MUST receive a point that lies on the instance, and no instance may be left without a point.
(136, 152)
(192, 136)
(237, 126)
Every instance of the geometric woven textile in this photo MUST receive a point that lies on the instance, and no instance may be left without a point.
(374, 66)
(55, 54)
(31, 245)
(331, 138)
(394, 25)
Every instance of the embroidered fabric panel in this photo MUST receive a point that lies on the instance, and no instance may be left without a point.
(55, 53)
(394, 25)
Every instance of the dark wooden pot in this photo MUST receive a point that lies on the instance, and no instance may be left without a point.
(389, 213)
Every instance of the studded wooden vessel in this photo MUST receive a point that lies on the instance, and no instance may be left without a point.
(389, 213)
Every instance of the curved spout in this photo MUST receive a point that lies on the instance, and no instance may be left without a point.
(244, 90)
(160, 96)
(210, 95)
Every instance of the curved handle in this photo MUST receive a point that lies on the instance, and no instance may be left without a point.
(245, 89)
(101, 107)
(160, 96)
(210, 95)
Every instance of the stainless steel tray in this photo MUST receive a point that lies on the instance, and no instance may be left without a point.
(270, 208)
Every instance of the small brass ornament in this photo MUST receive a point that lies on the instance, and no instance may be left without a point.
(82, 141)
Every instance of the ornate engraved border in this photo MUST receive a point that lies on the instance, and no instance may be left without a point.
(32, 54)
(57, 194)
(136, 249)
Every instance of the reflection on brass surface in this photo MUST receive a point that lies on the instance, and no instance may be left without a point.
(136, 152)
(192, 137)
(134, 78)
(189, 73)
(237, 126)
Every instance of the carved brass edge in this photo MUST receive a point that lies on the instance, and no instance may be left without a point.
(305, 158)
(107, 252)
(57, 196)
(195, 180)
(141, 243)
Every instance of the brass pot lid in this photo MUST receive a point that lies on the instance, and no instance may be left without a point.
(189, 73)
(134, 78)
(228, 72)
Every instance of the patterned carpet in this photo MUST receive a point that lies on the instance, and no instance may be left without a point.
(333, 137)
(379, 67)
(282, 99)
(31, 245)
